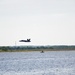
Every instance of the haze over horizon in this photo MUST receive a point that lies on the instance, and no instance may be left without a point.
(46, 22)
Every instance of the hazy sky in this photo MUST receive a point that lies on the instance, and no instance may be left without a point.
(46, 22)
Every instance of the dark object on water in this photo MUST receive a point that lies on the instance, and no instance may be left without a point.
(28, 40)
(42, 51)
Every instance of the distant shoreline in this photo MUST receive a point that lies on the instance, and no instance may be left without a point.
(37, 50)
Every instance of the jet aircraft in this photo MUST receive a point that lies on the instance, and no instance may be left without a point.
(28, 40)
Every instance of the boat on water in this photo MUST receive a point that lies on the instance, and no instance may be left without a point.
(42, 51)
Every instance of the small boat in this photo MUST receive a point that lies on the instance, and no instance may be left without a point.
(42, 51)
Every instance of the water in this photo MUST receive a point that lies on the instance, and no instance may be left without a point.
(36, 63)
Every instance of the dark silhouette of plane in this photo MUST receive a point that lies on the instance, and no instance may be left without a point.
(28, 40)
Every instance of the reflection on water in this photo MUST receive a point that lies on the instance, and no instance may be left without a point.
(34, 63)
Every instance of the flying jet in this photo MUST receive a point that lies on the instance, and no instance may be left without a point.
(28, 40)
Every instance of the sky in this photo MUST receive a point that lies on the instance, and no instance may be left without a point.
(45, 22)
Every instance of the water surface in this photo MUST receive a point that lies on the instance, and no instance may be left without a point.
(36, 63)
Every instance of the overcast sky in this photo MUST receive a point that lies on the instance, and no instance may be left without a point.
(46, 22)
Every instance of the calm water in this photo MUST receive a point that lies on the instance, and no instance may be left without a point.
(36, 63)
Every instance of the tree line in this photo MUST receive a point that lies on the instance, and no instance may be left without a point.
(17, 48)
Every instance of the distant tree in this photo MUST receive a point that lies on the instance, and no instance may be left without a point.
(4, 49)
